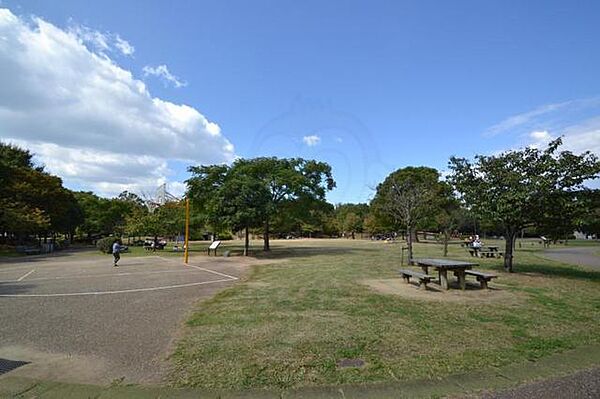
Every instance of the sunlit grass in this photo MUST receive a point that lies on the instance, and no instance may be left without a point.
(288, 323)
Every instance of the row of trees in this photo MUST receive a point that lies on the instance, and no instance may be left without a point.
(506, 193)
(510, 192)
(34, 204)
(33, 201)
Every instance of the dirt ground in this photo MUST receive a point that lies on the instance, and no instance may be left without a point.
(473, 294)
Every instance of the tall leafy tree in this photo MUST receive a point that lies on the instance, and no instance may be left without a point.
(31, 200)
(251, 191)
(409, 197)
(523, 188)
(286, 180)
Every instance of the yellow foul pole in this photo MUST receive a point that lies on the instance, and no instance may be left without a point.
(187, 230)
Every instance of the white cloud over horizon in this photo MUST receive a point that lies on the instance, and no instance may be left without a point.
(576, 121)
(89, 120)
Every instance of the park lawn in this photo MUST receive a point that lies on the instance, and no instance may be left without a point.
(288, 323)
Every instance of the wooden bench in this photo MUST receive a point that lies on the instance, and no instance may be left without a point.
(424, 279)
(483, 278)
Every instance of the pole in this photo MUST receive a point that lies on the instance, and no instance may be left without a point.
(187, 230)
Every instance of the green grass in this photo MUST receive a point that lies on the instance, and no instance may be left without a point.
(288, 323)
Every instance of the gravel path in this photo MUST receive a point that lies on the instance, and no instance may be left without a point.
(581, 385)
(581, 256)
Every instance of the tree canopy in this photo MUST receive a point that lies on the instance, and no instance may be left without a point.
(409, 197)
(523, 188)
(251, 192)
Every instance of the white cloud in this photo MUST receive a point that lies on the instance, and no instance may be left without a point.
(518, 120)
(540, 139)
(163, 73)
(311, 140)
(102, 42)
(576, 121)
(88, 119)
(548, 117)
(124, 46)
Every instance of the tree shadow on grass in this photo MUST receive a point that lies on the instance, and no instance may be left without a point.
(44, 257)
(556, 270)
(305, 252)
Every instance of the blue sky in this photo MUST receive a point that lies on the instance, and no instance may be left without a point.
(366, 86)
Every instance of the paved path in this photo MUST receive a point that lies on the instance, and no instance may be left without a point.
(581, 385)
(581, 256)
(78, 319)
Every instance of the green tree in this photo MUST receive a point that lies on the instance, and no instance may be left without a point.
(252, 191)
(31, 200)
(286, 180)
(523, 188)
(589, 222)
(449, 213)
(409, 196)
(351, 218)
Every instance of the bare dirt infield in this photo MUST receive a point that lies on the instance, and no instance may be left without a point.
(78, 319)
(473, 294)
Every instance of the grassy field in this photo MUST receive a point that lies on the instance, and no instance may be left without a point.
(288, 323)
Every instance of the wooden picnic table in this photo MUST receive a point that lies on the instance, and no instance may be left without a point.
(443, 265)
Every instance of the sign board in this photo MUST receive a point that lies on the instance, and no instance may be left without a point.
(214, 245)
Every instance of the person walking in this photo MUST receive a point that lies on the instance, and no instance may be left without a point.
(116, 251)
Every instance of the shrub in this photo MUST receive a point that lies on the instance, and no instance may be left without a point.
(105, 244)
(225, 236)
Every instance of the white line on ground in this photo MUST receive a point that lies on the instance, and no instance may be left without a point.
(10, 270)
(214, 272)
(25, 275)
(205, 270)
(122, 274)
(166, 287)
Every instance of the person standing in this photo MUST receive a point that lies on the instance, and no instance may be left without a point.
(116, 251)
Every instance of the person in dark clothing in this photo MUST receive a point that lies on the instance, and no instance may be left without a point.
(116, 251)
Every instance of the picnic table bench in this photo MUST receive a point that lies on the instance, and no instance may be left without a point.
(443, 265)
(485, 252)
(424, 279)
(483, 278)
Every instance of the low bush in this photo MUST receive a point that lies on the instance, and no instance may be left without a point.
(105, 244)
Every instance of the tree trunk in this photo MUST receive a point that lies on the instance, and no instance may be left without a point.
(246, 242)
(446, 238)
(267, 246)
(508, 251)
(409, 242)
